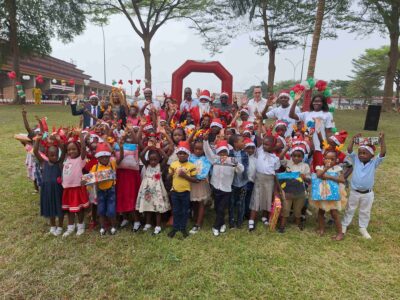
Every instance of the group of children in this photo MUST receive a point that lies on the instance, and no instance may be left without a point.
(160, 165)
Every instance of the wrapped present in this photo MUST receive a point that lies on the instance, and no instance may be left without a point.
(275, 212)
(100, 176)
(131, 157)
(287, 175)
(203, 166)
(374, 140)
(324, 189)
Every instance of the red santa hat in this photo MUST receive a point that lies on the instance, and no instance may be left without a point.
(369, 148)
(183, 146)
(280, 123)
(217, 122)
(102, 149)
(93, 95)
(284, 94)
(205, 94)
(245, 110)
(248, 143)
(221, 146)
(339, 137)
(299, 147)
(247, 125)
(282, 139)
(148, 127)
(300, 141)
(224, 94)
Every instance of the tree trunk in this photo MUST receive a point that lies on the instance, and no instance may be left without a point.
(11, 7)
(271, 70)
(397, 83)
(314, 50)
(147, 61)
(391, 70)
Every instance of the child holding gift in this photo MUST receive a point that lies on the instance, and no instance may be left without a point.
(362, 183)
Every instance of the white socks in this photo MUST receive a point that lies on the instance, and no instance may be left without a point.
(146, 227)
(81, 229)
(157, 229)
(70, 230)
(136, 226)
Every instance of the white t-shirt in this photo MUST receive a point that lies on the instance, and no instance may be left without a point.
(280, 113)
(326, 123)
(154, 103)
(266, 163)
(256, 106)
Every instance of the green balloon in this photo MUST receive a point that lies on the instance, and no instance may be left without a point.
(311, 82)
(332, 109)
(327, 92)
(334, 130)
(292, 94)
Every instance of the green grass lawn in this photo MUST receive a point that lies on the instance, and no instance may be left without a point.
(295, 265)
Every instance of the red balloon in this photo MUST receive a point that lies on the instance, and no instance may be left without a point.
(138, 81)
(71, 82)
(120, 82)
(12, 75)
(39, 79)
(130, 82)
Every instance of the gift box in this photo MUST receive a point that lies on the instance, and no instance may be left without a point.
(287, 175)
(100, 176)
(324, 189)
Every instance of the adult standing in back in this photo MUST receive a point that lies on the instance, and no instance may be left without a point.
(188, 102)
(318, 117)
(257, 104)
(92, 107)
(281, 112)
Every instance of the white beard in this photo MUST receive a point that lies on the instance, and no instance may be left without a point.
(204, 108)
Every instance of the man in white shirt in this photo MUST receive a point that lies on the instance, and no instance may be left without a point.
(281, 112)
(257, 104)
(188, 102)
(148, 101)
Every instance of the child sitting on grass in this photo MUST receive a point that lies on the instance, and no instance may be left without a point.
(362, 183)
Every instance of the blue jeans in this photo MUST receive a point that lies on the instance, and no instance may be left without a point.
(180, 209)
(106, 206)
(237, 202)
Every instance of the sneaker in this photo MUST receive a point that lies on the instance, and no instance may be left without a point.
(281, 230)
(113, 230)
(365, 233)
(59, 231)
(146, 227)
(69, 231)
(102, 231)
(265, 221)
(185, 234)
(53, 230)
(80, 229)
(222, 229)
(232, 226)
(124, 223)
(172, 233)
(195, 229)
(344, 229)
(215, 231)
(157, 230)
(136, 226)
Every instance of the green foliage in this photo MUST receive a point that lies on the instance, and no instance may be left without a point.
(370, 71)
(39, 22)
(339, 87)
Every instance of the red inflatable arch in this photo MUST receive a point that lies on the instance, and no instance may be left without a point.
(201, 67)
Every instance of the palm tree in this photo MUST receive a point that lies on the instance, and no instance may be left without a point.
(314, 49)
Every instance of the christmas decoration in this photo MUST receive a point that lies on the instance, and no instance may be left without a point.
(12, 75)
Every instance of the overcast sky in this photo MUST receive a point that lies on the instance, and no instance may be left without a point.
(175, 43)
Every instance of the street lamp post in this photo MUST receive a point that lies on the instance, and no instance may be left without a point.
(104, 55)
(294, 67)
(131, 74)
